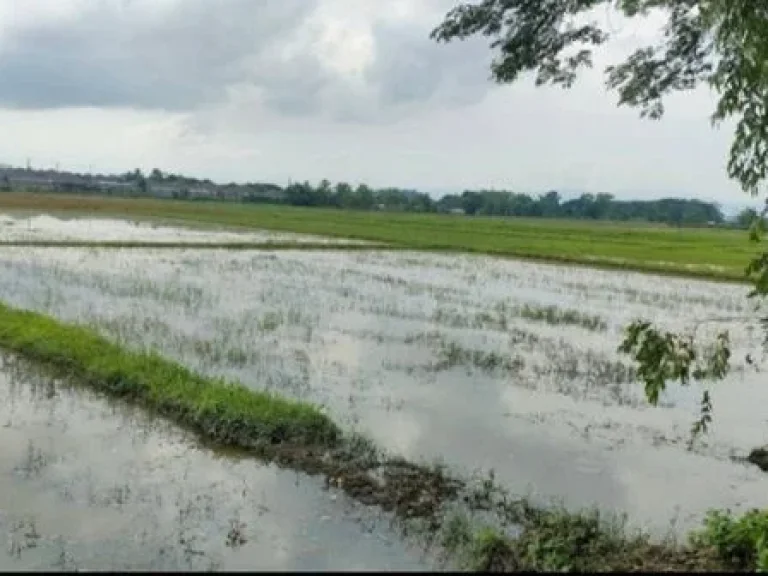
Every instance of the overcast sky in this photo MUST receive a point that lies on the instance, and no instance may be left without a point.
(271, 90)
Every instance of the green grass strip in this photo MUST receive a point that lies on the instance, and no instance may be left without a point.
(225, 412)
(688, 252)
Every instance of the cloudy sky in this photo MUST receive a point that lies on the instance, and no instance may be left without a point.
(353, 90)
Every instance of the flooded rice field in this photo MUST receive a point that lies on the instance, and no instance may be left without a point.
(87, 484)
(479, 362)
(16, 228)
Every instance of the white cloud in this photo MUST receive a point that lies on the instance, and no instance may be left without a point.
(345, 89)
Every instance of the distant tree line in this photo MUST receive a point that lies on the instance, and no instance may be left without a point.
(504, 203)
(585, 207)
(673, 211)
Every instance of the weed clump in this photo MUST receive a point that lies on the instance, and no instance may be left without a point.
(554, 315)
(742, 543)
(452, 354)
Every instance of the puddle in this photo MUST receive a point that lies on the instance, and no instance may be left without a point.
(420, 351)
(86, 484)
(45, 227)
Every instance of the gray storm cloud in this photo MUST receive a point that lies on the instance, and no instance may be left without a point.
(188, 55)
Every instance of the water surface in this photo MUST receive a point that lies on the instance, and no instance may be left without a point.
(88, 484)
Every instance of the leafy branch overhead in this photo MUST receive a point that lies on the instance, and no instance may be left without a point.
(720, 43)
(664, 356)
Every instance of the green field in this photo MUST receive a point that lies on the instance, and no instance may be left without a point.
(711, 253)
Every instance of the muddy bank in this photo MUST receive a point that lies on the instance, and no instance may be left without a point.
(89, 484)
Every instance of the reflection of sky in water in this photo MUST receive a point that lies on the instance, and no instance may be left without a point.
(44, 227)
(347, 340)
(104, 488)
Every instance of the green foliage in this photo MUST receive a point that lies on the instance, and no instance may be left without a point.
(489, 552)
(558, 540)
(741, 543)
(529, 36)
(664, 356)
(226, 412)
(585, 207)
(675, 211)
(504, 203)
(757, 269)
(747, 219)
(720, 43)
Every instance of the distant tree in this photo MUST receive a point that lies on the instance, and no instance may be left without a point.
(323, 194)
(364, 199)
(746, 218)
(344, 195)
(471, 202)
(141, 183)
(134, 176)
(156, 175)
(602, 206)
(550, 204)
(719, 43)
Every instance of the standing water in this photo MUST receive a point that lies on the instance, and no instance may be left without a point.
(87, 484)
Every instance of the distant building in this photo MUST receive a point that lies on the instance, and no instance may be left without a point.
(202, 192)
(176, 187)
(115, 186)
(165, 190)
(31, 181)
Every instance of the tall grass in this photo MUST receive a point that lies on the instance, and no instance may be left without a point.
(223, 411)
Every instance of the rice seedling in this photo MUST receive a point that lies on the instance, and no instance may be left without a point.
(554, 315)
(330, 336)
(451, 355)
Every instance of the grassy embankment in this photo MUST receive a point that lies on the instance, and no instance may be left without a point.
(705, 253)
(299, 435)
